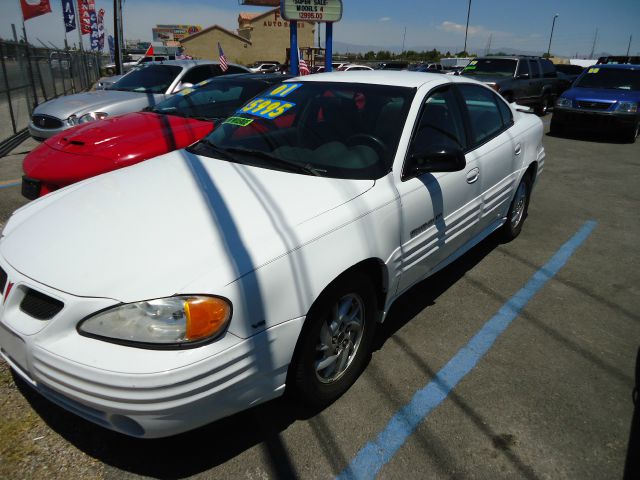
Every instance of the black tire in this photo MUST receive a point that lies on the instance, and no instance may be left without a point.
(543, 107)
(304, 375)
(633, 133)
(557, 129)
(517, 211)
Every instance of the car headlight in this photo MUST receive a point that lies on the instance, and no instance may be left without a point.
(165, 322)
(563, 102)
(627, 107)
(92, 117)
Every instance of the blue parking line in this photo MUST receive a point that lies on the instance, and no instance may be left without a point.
(14, 184)
(374, 455)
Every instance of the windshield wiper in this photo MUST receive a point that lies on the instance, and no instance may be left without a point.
(211, 147)
(281, 162)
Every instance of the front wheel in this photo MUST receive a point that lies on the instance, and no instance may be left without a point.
(633, 133)
(335, 342)
(517, 210)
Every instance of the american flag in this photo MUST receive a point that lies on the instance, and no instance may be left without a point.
(303, 68)
(223, 60)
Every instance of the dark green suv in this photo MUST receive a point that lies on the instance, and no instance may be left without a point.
(530, 81)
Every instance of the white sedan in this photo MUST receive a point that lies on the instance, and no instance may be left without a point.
(161, 297)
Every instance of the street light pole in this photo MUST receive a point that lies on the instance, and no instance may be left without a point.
(551, 36)
(466, 29)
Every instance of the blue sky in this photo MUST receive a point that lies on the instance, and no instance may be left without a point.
(511, 23)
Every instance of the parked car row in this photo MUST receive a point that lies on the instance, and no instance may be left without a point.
(260, 259)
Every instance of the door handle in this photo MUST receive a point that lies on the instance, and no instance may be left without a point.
(518, 149)
(473, 175)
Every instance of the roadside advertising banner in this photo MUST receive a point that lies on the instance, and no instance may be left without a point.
(69, 15)
(95, 36)
(83, 13)
(34, 8)
(101, 29)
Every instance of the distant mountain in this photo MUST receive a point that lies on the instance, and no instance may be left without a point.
(343, 47)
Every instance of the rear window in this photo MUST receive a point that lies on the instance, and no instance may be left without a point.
(548, 69)
(491, 66)
(148, 78)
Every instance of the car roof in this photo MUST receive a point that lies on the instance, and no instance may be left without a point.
(192, 63)
(507, 57)
(617, 66)
(256, 77)
(379, 77)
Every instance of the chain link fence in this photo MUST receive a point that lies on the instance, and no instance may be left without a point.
(30, 76)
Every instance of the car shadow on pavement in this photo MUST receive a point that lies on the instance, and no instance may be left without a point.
(593, 137)
(425, 293)
(185, 454)
(632, 464)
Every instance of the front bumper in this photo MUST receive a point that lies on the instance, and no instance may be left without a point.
(576, 119)
(43, 133)
(139, 392)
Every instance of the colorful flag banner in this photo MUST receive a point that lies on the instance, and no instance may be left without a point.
(95, 35)
(112, 47)
(101, 29)
(224, 66)
(83, 14)
(34, 8)
(69, 15)
(149, 51)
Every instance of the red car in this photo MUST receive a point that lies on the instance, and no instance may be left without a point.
(98, 147)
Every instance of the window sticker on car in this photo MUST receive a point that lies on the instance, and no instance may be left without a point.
(203, 82)
(470, 67)
(593, 70)
(240, 121)
(284, 90)
(185, 91)
(266, 108)
(473, 62)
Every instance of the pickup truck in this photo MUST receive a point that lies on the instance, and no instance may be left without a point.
(529, 81)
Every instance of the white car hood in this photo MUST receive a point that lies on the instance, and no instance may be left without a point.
(148, 230)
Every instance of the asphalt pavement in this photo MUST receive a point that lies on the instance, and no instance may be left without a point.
(547, 395)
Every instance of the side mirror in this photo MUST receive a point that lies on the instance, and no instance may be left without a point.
(436, 159)
(522, 76)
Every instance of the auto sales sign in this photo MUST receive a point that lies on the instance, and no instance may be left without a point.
(311, 10)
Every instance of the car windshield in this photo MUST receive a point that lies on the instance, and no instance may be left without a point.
(569, 69)
(148, 78)
(339, 130)
(491, 66)
(610, 78)
(211, 99)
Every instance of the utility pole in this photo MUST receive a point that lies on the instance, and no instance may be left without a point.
(551, 36)
(404, 36)
(117, 39)
(488, 49)
(629, 46)
(466, 29)
(593, 48)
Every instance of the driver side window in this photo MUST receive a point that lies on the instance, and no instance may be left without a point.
(440, 124)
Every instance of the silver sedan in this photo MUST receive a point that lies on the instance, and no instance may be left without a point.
(143, 87)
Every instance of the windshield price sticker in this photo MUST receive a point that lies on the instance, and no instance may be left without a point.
(593, 70)
(284, 90)
(185, 91)
(240, 121)
(266, 108)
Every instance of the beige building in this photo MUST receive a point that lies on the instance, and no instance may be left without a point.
(260, 36)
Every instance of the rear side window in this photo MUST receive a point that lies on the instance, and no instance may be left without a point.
(548, 69)
(198, 74)
(523, 68)
(535, 68)
(485, 116)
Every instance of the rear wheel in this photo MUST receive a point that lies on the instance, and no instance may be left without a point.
(335, 342)
(543, 107)
(517, 210)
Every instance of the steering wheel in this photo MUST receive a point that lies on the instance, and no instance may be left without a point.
(368, 140)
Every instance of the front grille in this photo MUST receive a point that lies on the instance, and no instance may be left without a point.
(40, 306)
(3, 280)
(594, 105)
(45, 121)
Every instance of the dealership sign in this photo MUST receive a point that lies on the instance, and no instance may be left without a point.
(311, 10)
